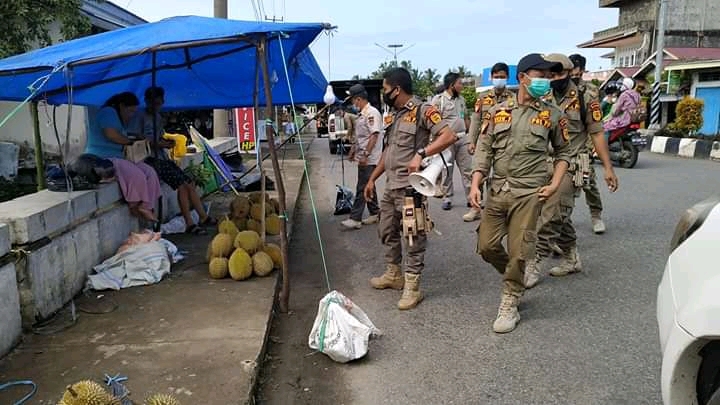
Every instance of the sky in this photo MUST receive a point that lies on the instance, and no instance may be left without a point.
(439, 35)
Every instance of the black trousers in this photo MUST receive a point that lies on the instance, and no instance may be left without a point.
(358, 208)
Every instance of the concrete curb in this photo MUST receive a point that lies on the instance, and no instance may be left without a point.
(685, 147)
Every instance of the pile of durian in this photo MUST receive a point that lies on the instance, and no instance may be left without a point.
(89, 392)
(246, 213)
(241, 254)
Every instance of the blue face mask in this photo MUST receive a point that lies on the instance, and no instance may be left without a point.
(539, 86)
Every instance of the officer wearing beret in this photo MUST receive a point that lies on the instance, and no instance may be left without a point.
(406, 145)
(514, 143)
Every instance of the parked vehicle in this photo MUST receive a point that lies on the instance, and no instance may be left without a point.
(688, 309)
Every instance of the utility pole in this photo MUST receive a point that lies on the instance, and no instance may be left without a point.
(221, 124)
(659, 56)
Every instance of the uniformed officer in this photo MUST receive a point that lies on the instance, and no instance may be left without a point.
(555, 224)
(592, 193)
(499, 74)
(452, 107)
(406, 145)
(366, 150)
(514, 144)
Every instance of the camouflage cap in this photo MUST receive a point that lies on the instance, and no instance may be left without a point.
(561, 59)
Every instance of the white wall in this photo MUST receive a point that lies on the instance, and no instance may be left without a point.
(19, 128)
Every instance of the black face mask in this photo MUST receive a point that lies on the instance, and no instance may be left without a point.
(560, 85)
(576, 80)
(389, 100)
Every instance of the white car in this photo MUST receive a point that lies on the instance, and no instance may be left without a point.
(688, 309)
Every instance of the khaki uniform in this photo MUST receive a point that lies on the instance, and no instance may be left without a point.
(410, 130)
(454, 110)
(555, 219)
(515, 147)
(592, 193)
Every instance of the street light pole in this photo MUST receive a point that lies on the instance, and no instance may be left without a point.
(394, 51)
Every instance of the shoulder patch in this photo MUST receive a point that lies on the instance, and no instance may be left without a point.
(478, 105)
(371, 120)
(596, 111)
(432, 114)
(563, 127)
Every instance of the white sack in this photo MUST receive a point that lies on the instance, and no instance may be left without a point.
(341, 329)
(141, 264)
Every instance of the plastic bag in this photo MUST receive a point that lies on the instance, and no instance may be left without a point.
(341, 330)
(343, 200)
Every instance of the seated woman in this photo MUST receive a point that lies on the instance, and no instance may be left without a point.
(107, 135)
(166, 169)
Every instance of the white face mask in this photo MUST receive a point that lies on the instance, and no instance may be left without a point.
(499, 83)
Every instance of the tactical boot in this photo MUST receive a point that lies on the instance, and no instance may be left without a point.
(570, 264)
(556, 249)
(532, 273)
(508, 315)
(598, 225)
(472, 215)
(411, 293)
(392, 278)
(372, 219)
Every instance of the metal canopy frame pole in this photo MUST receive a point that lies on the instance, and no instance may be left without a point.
(284, 297)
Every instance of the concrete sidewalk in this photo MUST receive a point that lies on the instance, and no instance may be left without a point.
(198, 338)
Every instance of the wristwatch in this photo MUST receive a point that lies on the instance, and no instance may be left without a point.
(422, 153)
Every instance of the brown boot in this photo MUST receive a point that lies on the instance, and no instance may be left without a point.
(411, 294)
(570, 264)
(392, 278)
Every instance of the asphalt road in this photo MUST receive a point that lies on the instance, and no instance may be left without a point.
(590, 338)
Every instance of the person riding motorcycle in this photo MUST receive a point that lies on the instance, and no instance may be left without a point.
(612, 90)
(621, 112)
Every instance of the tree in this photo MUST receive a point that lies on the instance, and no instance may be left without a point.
(470, 95)
(26, 23)
(462, 71)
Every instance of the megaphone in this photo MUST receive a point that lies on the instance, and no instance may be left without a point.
(424, 181)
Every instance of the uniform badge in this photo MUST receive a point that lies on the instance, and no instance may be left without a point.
(371, 120)
(411, 116)
(563, 126)
(433, 115)
(388, 120)
(502, 117)
(487, 100)
(596, 112)
(486, 117)
(573, 93)
(510, 103)
(574, 105)
(545, 115)
(478, 105)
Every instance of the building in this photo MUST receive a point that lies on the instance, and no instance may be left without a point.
(688, 24)
(104, 16)
(703, 79)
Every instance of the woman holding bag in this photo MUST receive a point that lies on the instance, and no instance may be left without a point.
(108, 138)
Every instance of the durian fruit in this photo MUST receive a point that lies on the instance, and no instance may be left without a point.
(227, 226)
(87, 393)
(275, 204)
(221, 245)
(256, 197)
(240, 207)
(249, 241)
(240, 223)
(218, 267)
(253, 225)
(256, 212)
(272, 225)
(240, 265)
(262, 264)
(162, 399)
(275, 254)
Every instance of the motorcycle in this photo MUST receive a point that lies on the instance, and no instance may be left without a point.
(625, 145)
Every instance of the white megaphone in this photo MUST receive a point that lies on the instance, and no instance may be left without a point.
(424, 181)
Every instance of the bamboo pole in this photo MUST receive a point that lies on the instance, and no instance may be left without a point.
(37, 139)
(284, 297)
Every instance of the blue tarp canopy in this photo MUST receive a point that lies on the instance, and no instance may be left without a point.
(201, 62)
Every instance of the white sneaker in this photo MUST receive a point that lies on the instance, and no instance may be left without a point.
(352, 224)
(372, 219)
(598, 225)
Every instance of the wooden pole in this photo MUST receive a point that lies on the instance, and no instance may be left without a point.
(258, 149)
(39, 158)
(284, 297)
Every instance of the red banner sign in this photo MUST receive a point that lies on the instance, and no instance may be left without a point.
(245, 129)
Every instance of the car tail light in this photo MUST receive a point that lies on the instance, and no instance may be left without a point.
(691, 220)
